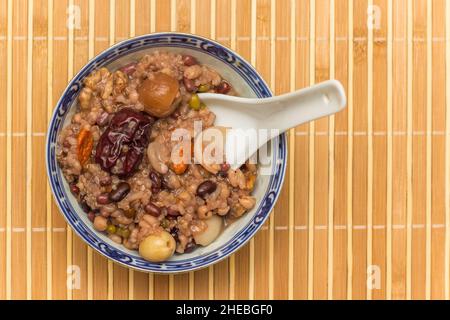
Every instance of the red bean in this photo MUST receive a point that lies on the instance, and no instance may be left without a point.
(190, 246)
(152, 209)
(223, 88)
(156, 181)
(121, 192)
(129, 69)
(91, 216)
(206, 188)
(224, 167)
(189, 60)
(189, 85)
(172, 212)
(84, 206)
(105, 181)
(103, 119)
(103, 198)
(74, 189)
(174, 232)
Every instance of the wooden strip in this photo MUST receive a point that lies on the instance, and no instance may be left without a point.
(233, 47)
(18, 153)
(181, 281)
(409, 151)
(223, 28)
(312, 63)
(330, 244)
(29, 143)
(437, 246)
(251, 275)
(389, 155)
(419, 151)
(447, 153)
(321, 153)
(70, 51)
(91, 46)
(9, 151)
(213, 19)
(152, 15)
(80, 57)
(112, 39)
(377, 272)
(360, 149)
(369, 149)
(243, 47)
(341, 156)
(123, 282)
(399, 145)
(203, 28)
(261, 267)
(139, 281)
(291, 154)
(132, 9)
(151, 277)
(100, 263)
(49, 113)
(350, 156)
(3, 160)
(39, 124)
(272, 86)
(213, 36)
(161, 13)
(193, 24)
(429, 113)
(142, 12)
(60, 69)
(172, 27)
(132, 18)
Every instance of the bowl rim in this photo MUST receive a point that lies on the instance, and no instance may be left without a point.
(185, 268)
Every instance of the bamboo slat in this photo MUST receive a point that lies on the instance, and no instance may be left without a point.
(364, 212)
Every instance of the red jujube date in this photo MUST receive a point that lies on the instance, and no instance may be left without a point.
(121, 146)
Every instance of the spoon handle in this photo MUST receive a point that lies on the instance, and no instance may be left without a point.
(293, 109)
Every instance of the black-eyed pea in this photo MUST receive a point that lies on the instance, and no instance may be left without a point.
(133, 96)
(104, 72)
(247, 202)
(150, 220)
(100, 223)
(203, 212)
(93, 79)
(184, 196)
(108, 88)
(251, 166)
(223, 211)
(144, 224)
(120, 81)
(193, 72)
(129, 245)
(224, 191)
(236, 178)
(237, 210)
(85, 98)
(116, 238)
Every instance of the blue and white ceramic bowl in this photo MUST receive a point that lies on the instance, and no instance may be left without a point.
(245, 80)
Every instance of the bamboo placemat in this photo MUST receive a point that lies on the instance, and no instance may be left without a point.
(365, 209)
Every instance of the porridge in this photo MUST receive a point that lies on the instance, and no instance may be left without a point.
(117, 156)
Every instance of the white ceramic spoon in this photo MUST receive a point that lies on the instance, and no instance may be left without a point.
(280, 113)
